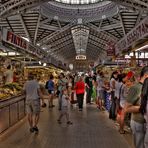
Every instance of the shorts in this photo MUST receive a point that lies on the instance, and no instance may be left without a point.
(64, 110)
(101, 94)
(33, 106)
(50, 91)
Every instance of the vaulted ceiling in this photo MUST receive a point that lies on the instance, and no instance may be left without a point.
(48, 24)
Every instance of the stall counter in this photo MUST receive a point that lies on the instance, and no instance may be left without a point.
(11, 111)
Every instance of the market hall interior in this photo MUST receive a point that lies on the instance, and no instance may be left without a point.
(73, 38)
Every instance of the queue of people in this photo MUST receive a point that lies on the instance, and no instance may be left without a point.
(128, 99)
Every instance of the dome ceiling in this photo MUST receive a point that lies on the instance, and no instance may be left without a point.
(88, 13)
(50, 26)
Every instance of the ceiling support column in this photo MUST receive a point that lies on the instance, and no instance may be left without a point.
(36, 30)
(25, 28)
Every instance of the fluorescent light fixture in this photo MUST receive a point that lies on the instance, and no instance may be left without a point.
(44, 64)
(3, 54)
(140, 56)
(8, 53)
(141, 48)
(44, 48)
(56, 17)
(40, 62)
(26, 39)
(103, 16)
(38, 44)
(13, 53)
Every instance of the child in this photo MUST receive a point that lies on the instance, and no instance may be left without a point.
(64, 107)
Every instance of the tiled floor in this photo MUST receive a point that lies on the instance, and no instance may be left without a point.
(90, 129)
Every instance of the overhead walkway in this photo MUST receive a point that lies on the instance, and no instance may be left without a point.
(91, 129)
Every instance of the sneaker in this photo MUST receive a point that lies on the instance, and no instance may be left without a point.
(69, 122)
(31, 130)
(36, 129)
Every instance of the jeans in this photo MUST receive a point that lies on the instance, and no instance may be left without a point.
(138, 130)
(80, 98)
(88, 95)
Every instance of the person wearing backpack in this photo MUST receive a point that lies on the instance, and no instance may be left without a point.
(50, 87)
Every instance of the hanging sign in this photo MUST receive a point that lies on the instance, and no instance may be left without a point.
(110, 49)
(139, 32)
(80, 57)
(14, 39)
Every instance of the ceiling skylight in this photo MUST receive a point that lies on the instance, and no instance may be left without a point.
(80, 38)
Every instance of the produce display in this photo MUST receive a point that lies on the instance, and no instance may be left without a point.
(9, 90)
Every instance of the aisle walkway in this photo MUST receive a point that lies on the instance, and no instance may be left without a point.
(90, 129)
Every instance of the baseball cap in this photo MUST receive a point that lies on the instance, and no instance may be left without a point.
(130, 74)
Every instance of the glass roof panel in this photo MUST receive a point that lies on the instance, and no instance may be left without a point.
(79, 1)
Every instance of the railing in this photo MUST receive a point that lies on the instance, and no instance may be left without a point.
(12, 110)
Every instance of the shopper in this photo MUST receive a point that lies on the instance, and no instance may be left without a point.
(132, 105)
(101, 91)
(64, 107)
(80, 90)
(8, 75)
(88, 82)
(70, 86)
(94, 88)
(118, 86)
(144, 108)
(62, 84)
(32, 91)
(51, 90)
(126, 82)
(112, 113)
(44, 94)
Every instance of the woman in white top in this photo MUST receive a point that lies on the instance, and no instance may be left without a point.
(144, 108)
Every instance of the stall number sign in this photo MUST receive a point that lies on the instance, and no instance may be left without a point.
(137, 33)
(80, 57)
